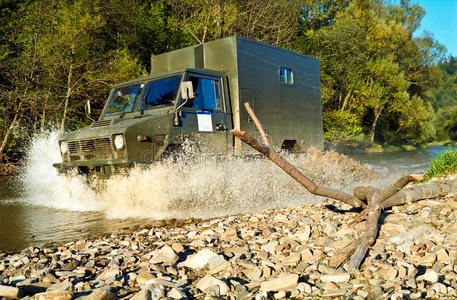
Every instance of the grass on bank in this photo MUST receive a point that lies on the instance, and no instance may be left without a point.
(443, 164)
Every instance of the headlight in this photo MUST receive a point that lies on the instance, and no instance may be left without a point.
(63, 147)
(119, 142)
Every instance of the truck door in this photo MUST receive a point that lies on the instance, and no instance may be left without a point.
(204, 119)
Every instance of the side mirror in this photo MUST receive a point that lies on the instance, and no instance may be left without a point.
(87, 109)
(187, 90)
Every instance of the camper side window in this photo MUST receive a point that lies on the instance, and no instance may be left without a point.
(286, 76)
(207, 94)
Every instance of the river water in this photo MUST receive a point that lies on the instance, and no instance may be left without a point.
(39, 206)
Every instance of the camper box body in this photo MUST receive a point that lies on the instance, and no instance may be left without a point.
(290, 110)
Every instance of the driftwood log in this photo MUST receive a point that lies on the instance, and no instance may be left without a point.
(372, 200)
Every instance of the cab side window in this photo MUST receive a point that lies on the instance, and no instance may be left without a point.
(207, 94)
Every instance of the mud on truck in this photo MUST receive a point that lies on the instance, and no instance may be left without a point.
(197, 94)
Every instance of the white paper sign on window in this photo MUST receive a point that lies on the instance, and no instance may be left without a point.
(204, 121)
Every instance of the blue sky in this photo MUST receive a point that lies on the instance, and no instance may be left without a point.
(441, 20)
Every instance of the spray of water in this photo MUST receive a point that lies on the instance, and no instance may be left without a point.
(44, 187)
(183, 187)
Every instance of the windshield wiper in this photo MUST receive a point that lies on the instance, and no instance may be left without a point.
(123, 114)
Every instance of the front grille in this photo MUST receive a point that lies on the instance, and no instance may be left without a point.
(101, 123)
(97, 147)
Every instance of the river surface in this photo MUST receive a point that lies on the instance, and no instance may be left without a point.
(38, 207)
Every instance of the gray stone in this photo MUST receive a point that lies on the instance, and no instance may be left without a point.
(329, 228)
(343, 277)
(143, 294)
(216, 261)
(49, 278)
(303, 235)
(61, 286)
(270, 247)
(99, 294)
(302, 266)
(253, 273)
(109, 274)
(199, 260)
(327, 270)
(279, 295)
(10, 292)
(165, 255)
(176, 293)
(280, 218)
(292, 259)
(54, 295)
(303, 287)
(406, 240)
(209, 281)
(429, 275)
(334, 293)
(143, 277)
(440, 288)
(283, 282)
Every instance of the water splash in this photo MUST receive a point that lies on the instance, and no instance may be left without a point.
(43, 186)
(183, 187)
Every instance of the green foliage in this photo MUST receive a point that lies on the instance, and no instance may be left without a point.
(341, 125)
(443, 164)
(377, 80)
(446, 123)
(373, 67)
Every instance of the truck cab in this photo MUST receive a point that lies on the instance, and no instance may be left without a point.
(146, 117)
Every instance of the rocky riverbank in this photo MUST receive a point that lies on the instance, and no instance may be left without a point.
(282, 253)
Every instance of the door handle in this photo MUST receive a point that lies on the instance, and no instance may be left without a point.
(220, 127)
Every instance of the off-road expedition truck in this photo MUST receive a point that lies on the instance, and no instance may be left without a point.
(196, 94)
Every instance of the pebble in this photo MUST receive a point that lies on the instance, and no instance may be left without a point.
(283, 282)
(429, 275)
(100, 294)
(343, 277)
(54, 295)
(199, 260)
(209, 281)
(273, 254)
(9, 291)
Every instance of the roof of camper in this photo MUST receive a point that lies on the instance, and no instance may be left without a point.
(237, 37)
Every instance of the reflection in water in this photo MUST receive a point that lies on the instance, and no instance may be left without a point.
(22, 225)
(402, 162)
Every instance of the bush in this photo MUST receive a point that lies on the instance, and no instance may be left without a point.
(443, 164)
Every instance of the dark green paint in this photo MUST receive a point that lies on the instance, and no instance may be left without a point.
(249, 72)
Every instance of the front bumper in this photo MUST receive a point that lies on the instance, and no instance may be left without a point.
(100, 169)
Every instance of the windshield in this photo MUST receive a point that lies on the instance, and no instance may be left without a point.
(155, 93)
(123, 99)
(161, 92)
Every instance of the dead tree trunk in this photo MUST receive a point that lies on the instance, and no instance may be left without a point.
(372, 200)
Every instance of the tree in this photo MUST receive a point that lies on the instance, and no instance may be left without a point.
(271, 21)
(372, 68)
(75, 53)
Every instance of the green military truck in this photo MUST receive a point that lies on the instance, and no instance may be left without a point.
(195, 95)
